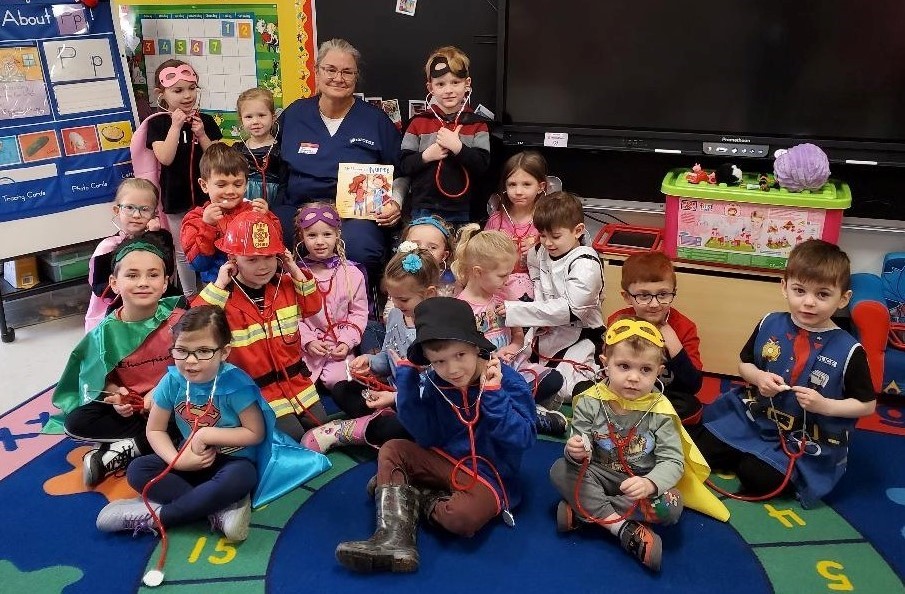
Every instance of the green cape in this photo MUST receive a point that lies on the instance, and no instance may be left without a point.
(97, 354)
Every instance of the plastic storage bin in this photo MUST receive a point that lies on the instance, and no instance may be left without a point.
(43, 307)
(66, 264)
(735, 226)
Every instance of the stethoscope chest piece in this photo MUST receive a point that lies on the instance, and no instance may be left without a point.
(508, 518)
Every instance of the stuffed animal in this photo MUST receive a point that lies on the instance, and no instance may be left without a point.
(802, 167)
(728, 174)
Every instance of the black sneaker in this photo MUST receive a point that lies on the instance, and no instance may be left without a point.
(642, 543)
(551, 422)
(107, 459)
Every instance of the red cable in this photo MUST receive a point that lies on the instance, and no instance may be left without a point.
(793, 457)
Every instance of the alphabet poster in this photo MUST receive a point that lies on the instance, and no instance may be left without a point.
(233, 46)
(66, 116)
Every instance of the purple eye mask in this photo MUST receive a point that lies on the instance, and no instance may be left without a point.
(309, 215)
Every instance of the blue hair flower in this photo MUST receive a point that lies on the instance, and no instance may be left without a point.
(411, 263)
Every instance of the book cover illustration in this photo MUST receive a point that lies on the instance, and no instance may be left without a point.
(363, 189)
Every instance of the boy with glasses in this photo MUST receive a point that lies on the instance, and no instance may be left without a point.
(649, 287)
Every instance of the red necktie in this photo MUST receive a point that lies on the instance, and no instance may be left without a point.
(801, 350)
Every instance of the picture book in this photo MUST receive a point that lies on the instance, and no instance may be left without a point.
(363, 189)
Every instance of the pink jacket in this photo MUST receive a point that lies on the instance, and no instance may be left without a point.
(97, 305)
(341, 320)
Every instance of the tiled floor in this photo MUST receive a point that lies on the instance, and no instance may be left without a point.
(36, 358)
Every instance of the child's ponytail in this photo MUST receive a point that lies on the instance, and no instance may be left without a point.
(475, 247)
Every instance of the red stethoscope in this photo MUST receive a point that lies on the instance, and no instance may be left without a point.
(266, 317)
(154, 577)
(462, 414)
(621, 444)
(261, 167)
(518, 237)
(194, 114)
(790, 468)
(451, 126)
(332, 325)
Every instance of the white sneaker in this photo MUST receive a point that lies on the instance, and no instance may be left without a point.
(233, 521)
(107, 459)
(127, 514)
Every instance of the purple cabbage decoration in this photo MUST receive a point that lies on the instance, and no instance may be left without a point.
(802, 167)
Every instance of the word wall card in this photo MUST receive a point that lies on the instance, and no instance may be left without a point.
(66, 116)
(231, 51)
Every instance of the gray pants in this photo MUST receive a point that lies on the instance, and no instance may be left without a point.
(600, 495)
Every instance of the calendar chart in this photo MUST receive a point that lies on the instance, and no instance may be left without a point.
(230, 50)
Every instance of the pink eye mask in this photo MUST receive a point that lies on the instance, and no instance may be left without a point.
(172, 74)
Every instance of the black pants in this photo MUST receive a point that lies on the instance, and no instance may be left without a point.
(99, 421)
(756, 476)
(295, 425)
(348, 397)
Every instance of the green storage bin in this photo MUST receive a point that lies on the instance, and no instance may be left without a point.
(66, 264)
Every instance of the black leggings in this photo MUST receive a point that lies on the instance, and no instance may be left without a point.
(348, 397)
(295, 425)
(99, 421)
(756, 476)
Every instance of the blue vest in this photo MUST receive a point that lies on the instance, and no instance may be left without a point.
(748, 422)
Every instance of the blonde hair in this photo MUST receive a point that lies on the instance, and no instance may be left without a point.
(255, 94)
(457, 59)
(475, 247)
(137, 184)
(448, 237)
(427, 275)
(340, 245)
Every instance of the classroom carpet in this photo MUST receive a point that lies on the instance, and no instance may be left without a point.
(853, 542)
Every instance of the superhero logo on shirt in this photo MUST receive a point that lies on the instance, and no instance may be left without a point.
(770, 351)
(197, 411)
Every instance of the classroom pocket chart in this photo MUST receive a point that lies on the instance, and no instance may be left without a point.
(231, 51)
(66, 116)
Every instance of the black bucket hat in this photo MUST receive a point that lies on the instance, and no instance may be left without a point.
(445, 318)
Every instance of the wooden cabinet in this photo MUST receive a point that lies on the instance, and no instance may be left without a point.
(725, 304)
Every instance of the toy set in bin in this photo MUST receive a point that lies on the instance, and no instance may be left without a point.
(743, 225)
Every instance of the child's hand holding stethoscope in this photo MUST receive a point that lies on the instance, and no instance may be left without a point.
(225, 274)
(493, 373)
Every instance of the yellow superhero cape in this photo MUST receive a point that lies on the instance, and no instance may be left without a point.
(694, 493)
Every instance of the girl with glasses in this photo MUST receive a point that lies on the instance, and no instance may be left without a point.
(134, 214)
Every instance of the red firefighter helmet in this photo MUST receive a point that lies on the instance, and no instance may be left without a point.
(252, 234)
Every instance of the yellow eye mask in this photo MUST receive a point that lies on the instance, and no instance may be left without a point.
(622, 329)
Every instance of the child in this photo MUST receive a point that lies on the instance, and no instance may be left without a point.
(223, 177)
(630, 456)
(178, 139)
(134, 214)
(524, 181)
(410, 278)
(264, 308)
(433, 234)
(257, 116)
(228, 435)
(483, 262)
(649, 287)
(809, 382)
(104, 391)
(329, 336)
(568, 291)
(446, 147)
(472, 420)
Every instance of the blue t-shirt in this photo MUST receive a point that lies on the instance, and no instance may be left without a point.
(235, 391)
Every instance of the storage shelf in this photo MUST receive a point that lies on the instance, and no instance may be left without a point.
(10, 293)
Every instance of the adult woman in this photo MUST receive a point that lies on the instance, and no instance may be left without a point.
(318, 133)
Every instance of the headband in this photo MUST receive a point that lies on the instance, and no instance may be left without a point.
(138, 246)
(622, 329)
(439, 66)
(432, 221)
(309, 215)
(170, 75)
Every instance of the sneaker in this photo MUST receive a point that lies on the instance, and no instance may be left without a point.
(233, 520)
(107, 459)
(551, 422)
(642, 543)
(127, 514)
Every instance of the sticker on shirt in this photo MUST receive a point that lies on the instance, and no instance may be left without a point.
(308, 148)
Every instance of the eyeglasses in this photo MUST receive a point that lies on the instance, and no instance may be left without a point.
(663, 298)
(145, 212)
(332, 72)
(202, 354)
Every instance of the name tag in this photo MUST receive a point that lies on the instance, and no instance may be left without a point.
(308, 148)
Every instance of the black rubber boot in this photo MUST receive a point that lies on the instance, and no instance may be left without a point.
(392, 546)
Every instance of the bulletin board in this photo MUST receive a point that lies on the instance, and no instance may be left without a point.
(232, 45)
(66, 115)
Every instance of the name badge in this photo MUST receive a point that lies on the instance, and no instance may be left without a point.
(308, 148)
